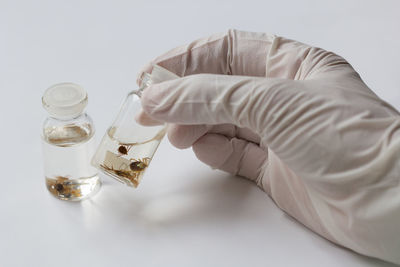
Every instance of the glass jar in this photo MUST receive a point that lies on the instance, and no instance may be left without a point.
(127, 148)
(68, 143)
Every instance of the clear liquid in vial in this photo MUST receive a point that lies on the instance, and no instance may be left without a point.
(67, 152)
(126, 161)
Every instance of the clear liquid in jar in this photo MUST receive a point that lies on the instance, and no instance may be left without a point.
(67, 153)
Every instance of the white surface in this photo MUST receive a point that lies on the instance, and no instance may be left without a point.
(183, 214)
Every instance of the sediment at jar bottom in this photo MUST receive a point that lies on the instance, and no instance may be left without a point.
(65, 188)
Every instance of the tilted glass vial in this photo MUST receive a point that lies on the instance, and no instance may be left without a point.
(68, 143)
(127, 147)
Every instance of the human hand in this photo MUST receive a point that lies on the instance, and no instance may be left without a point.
(298, 121)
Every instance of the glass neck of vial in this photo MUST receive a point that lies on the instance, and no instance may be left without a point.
(146, 82)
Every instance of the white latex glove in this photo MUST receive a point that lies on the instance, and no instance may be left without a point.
(298, 121)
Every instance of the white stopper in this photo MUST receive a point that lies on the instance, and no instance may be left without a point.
(65, 100)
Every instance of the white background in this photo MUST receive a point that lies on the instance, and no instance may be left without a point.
(184, 213)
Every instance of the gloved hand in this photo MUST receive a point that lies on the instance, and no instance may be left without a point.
(298, 121)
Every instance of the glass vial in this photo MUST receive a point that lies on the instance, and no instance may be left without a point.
(127, 148)
(68, 143)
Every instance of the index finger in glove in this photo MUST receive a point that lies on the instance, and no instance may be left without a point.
(213, 99)
(234, 52)
(249, 54)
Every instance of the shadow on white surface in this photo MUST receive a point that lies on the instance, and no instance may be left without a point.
(209, 204)
(215, 198)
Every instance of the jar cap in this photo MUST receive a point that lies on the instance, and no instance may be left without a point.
(65, 100)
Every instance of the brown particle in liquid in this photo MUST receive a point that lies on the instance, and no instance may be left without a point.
(123, 150)
(131, 176)
(59, 187)
(137, 166)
